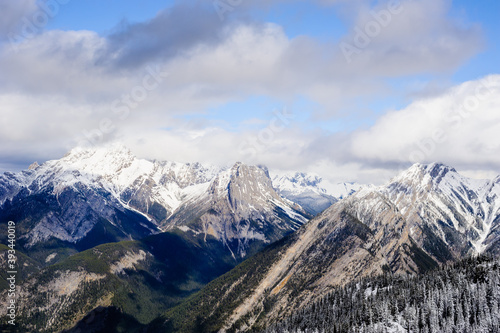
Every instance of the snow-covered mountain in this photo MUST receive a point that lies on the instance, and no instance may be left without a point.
(433, 207)
(426, 216)
(311, 191)
(105, 194)
(450, 204)
(116, 170)
(101, 188)
(238, 207)
(190, 222)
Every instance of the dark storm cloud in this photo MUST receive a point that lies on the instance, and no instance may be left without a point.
(173, 32)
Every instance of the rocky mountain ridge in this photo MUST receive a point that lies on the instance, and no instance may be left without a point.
(98, 195)
(239, 206)
(427, 216)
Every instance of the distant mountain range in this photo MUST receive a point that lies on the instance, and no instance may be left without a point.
(312, 192)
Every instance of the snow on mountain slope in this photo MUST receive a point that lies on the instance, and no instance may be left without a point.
(119, 172)
(312, 192)
(240, 206)
(11, 184)
(91, 186)
(109, 185)
(128, 178)
(435, 199)
(426, 216)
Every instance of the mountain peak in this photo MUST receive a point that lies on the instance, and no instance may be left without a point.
(240, 169)
(431, 167)
(305, 179)
(99, 160)
(33, 166)
(424, 173)
(438, 169)
(109, 149)
(237, 164)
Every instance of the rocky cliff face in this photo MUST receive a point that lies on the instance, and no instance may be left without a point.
(239, 207)
(428, 215)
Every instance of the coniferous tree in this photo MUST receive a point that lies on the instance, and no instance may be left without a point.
(464, 297)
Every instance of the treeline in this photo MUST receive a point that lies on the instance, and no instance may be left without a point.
(463, 297)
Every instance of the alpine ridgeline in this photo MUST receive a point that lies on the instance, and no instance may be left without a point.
(427, 215)
(101, 195)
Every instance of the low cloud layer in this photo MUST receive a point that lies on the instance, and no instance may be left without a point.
(140, 84)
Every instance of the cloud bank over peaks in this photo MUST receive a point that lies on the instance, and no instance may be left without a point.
(460, 127)
(74, 82)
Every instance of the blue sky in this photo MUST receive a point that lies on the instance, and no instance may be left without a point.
(487, 15)
(226, 78)
(103, 16)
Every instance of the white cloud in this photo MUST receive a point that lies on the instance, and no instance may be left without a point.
(459, 127)
(62, 84)
(13, 14)
(238, 59)
(406, 37)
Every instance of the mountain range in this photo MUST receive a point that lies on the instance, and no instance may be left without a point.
(101, 227)
(427, 216)
(80, 217)
(95, 196)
